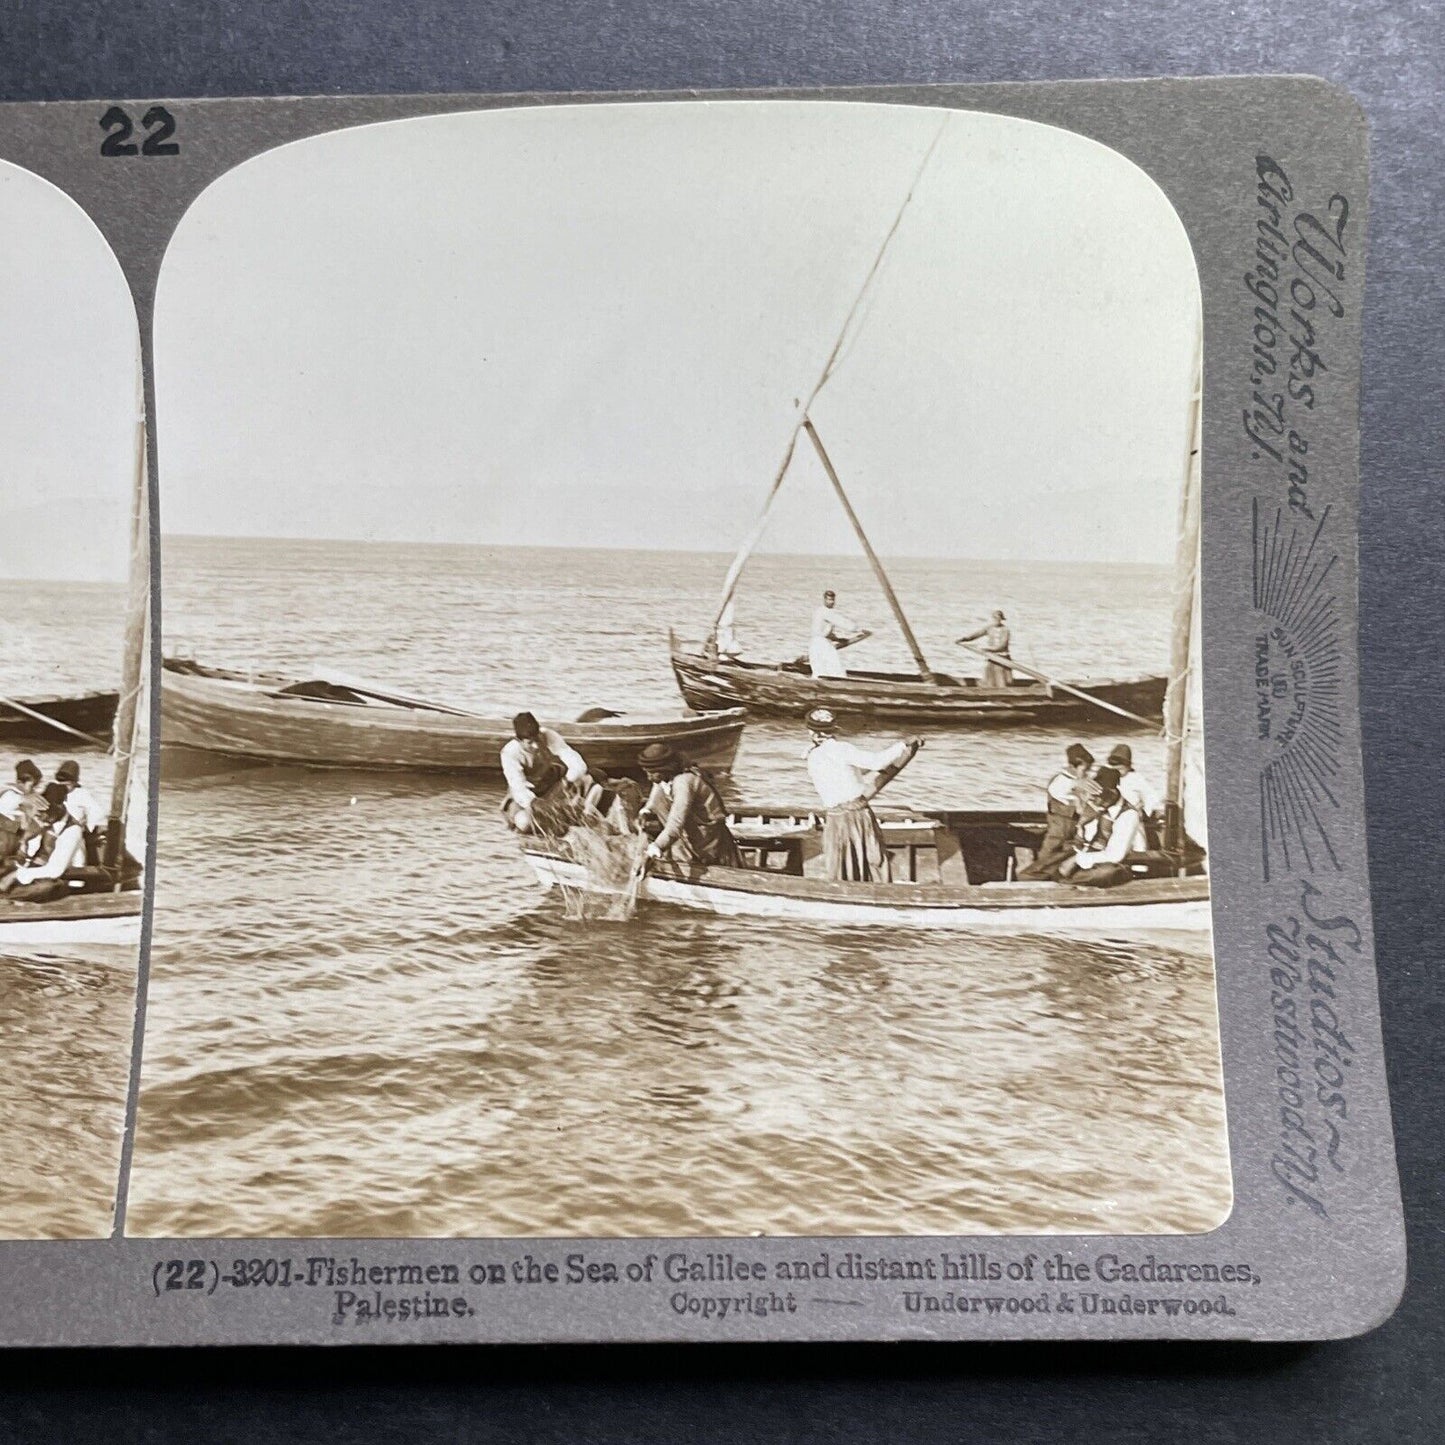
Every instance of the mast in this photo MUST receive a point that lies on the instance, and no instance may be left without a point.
(133, 656)
(730, 583)
(1186, 620)
(924, 670)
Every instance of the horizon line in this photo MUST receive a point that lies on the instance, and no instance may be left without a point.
(680, 551)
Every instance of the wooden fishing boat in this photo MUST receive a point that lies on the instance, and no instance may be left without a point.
(57, 719)
(710, 677)
(709, 681)
(952, 870)
(340, 722)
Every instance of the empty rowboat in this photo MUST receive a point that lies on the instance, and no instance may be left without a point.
(338, 722)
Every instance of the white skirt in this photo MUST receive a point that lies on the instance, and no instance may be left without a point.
(824, 660)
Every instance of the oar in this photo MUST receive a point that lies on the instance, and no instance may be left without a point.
(884, 776)
(1043, 677)
(51, 722)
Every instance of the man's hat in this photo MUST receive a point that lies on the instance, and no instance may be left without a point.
(525, 725)
(821, 720)
(68, 772)
(1077, 753)
(1107, 779)
(1121, 756)
(655, 756)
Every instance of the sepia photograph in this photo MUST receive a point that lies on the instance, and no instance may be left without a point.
(682, 687)
(74, 578)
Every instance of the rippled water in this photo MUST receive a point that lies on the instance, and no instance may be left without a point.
(365, 1018)
(65, 1015)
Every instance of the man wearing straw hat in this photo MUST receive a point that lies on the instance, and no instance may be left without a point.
(853, 850)
(690, 812)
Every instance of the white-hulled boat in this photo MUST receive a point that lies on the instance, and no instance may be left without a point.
(951, 870)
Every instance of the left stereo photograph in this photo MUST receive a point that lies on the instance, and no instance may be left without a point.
(74, 662)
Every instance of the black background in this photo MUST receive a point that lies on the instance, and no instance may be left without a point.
(1386, 1386)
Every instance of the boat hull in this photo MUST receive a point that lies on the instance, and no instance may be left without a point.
(235, 717)
(91, 918)
(91, 713)
(783, 690)
(1171, 905)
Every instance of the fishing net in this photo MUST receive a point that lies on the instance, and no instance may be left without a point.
(612, 864)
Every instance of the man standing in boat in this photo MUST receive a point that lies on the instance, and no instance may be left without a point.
(847, 779)
(1071, 797)
(996, 640)
(688, 809)
(831, 632)
(545, 778)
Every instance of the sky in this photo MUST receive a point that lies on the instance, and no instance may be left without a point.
(600, 325)
(68, 368)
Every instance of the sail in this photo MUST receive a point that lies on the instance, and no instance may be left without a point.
(133, 660)
(1196, 821)
(1184, 701)
(853, 318)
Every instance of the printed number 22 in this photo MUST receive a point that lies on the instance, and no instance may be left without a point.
(159, 125)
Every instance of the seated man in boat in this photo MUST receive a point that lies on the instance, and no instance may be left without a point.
(831, 631)
(20, 804)
(995, 639)
(688, 811)
(82, 806)
(546, 778)
(1106, 840)
(54, 850)
(846, 779)
(1071, 797)
(1139, 793)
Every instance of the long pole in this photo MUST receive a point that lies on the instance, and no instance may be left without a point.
(1186, 581)
(730, 583)
(1043, 677)
(133, 658)
(925, 671)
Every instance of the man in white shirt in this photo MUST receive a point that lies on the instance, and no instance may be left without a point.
(20, 805)
(847, 778)
(1137, 790)
(546, 778)
(82, 806)
(831, 631)
(1108, 838)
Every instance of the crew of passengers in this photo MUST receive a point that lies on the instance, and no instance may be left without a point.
(47, 829)
(1095, 820)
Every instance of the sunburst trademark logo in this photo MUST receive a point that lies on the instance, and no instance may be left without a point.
(1297, 657)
